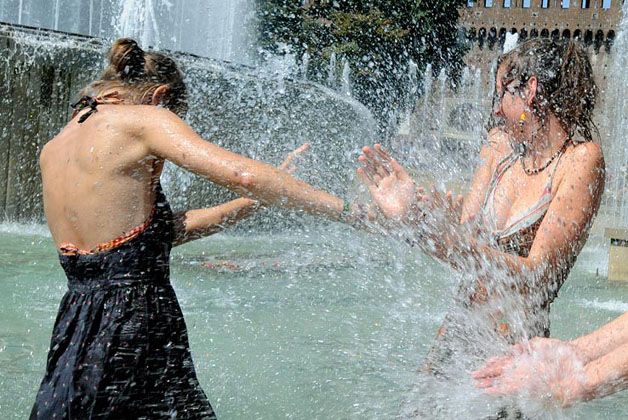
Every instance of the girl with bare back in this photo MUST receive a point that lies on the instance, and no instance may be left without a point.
(119, 346)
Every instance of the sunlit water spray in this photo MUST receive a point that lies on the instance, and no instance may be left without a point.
(319, 321)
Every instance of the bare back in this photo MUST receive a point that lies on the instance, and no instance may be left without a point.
(97, 179)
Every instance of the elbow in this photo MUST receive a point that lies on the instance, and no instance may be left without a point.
(245, 182)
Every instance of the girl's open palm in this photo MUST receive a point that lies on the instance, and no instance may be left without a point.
(390, 186)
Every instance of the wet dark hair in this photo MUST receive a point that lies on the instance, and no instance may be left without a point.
(566, 86)
(137, 73)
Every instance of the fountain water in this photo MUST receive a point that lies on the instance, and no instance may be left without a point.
(617, 157)
(221, 29)
(312, 322)
(346, 78)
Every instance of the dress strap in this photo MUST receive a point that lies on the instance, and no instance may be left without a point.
(92, 102)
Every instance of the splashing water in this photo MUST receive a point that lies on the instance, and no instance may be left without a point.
(138, 20)
(321, 314)
(617, 153)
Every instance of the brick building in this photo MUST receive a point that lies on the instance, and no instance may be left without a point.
(485, 24)
(593, 21)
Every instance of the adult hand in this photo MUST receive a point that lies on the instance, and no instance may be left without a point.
(542, 368)
(288, 165)
(389, 184)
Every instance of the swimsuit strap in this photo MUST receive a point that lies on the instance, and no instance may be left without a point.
(500, 170)
(535, 212)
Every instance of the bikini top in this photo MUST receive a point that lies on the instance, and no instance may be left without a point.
(518, 234)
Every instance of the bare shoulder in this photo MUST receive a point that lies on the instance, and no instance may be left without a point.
(582, 165)
(588, 152)
(44, 155)
(141, 118)
(497, 146)
(587, 156)
(139, 115)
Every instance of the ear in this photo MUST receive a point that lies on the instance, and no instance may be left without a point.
(158, 94)
(530, 89)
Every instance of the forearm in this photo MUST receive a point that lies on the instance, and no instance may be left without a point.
(607, 374)
(603, 340)
(195, 224)
(278, 188)
(171, 139)
(480, 254)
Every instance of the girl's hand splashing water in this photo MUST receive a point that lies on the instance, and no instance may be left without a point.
(289, 163)
(434, 216)
(389, 184)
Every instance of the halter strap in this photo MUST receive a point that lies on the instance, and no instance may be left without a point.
(92, 102)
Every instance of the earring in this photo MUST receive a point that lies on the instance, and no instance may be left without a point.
(522, 118)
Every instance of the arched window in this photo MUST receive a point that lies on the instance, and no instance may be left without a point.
(555, 34)
(502, 36)
(610, 40)
(545, 33)
(481, 37)
(577, 34)
(599, 40)
(491, 38)
(534, 33)
(523, 34)
(567, 33)
(588, 38)
(472, 34)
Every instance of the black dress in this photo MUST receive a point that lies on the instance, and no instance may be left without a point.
(119, 346)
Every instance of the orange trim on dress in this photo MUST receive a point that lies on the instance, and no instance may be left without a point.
(68, 248)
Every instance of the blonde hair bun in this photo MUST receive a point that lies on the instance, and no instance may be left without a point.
(126, 61)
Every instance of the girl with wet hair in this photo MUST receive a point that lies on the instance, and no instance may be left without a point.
(119, 346)
(527, 213)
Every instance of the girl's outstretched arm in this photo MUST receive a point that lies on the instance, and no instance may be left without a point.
(195, 224)
(166, 136)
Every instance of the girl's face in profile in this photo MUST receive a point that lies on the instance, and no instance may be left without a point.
(510, 105)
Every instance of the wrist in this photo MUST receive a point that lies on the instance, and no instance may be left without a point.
(581, 350)
(353, 213)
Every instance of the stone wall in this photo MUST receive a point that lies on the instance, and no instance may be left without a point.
(38, 83)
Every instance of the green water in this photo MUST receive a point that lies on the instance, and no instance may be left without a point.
(322, 324)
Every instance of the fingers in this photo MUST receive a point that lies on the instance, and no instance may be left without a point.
(369, 170)
(304, 147)
(288, 164)
(374, 159)
(492, 368)
(366, 179)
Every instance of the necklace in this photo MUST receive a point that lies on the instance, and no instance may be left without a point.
(549, 161)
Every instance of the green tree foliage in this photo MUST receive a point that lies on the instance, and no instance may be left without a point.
(378, 38)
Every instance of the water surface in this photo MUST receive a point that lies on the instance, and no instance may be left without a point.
(323, 323)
